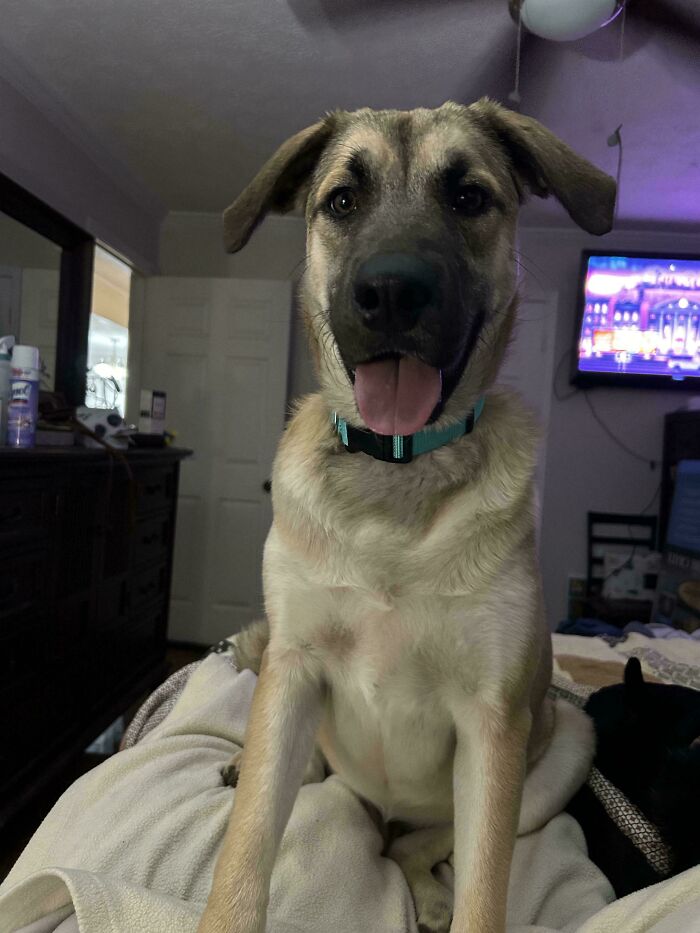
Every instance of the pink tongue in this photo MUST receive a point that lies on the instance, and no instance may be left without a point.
(396, 396)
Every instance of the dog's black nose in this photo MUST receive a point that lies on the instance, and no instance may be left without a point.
(392, 290)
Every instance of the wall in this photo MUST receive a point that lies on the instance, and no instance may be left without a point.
(45, 151)
(192, 244)
(585, 469)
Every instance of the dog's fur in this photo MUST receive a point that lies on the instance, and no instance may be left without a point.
(407, 631)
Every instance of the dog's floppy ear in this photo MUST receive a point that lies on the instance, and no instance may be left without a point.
(548, 166)
(277, 185)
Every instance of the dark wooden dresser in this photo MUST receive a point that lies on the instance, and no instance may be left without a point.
(86, 548)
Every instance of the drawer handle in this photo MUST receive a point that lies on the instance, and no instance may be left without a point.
(12, 514)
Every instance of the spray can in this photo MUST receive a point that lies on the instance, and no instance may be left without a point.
(23, 409)
(6, 344)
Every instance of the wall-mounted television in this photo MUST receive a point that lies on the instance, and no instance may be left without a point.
(638, 321)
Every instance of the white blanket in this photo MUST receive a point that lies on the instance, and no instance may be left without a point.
(130, 847)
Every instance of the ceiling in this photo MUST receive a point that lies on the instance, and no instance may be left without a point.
(192, 96)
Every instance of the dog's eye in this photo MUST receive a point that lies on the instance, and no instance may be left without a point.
(342, 202)
(470, 200)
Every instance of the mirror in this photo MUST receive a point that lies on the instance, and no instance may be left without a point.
(30, 272)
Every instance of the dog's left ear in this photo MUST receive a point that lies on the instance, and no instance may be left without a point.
(278, 184)
(548, 166)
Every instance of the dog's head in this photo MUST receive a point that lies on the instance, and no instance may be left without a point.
(410, 278)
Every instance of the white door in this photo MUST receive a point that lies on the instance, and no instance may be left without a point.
(529, 367)
(10, 300)
(219, 348)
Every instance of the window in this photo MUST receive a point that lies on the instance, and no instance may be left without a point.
(108, 339)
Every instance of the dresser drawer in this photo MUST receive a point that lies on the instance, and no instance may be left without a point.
(69, 627)
(22, 582)
(111, 603)
(155, 490)
(151, 540)
(22, 650)
(24, 512)
(147, 586)
(144, 638)
(118, 531)
(24, 725)
(80, 507)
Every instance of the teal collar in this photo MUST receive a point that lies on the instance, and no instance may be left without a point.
(402, 448)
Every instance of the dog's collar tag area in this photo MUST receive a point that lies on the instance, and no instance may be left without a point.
(402, 448)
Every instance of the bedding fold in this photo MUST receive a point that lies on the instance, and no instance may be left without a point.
(131, 847)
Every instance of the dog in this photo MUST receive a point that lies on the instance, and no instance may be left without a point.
(406, 626)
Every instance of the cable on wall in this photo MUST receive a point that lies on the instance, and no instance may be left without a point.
(613, 437)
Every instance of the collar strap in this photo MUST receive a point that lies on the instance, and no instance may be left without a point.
(402, 448)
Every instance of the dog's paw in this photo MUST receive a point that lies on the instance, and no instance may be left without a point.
(230, 772)
(433, 907)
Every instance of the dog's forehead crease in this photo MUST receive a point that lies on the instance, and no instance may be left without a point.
(411, 147)
(360, 143)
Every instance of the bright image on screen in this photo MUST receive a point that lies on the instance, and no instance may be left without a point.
(641, 316)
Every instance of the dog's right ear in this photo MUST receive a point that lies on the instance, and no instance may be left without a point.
(278, 185)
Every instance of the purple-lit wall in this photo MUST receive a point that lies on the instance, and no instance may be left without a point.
(586, 470)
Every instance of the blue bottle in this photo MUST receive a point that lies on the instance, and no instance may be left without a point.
(23, 409)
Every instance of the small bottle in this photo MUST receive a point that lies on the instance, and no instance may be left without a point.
(6, 344)
(23, 409)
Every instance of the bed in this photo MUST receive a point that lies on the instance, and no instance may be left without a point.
(131, 845)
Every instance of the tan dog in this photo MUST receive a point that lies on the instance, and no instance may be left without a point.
(407, 631)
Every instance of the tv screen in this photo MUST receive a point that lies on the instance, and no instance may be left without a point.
(639, 320)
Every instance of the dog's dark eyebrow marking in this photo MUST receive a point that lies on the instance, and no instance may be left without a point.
(456, 169)
(357, 166)
(459, 169)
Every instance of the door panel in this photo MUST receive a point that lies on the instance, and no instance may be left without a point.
(219, 348)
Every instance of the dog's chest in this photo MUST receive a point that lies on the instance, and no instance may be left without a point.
(386, 730)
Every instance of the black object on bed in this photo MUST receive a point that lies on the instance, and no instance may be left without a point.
(640, 809)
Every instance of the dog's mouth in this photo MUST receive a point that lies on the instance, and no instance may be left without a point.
(396, 394)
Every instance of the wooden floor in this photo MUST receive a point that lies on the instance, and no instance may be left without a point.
(15, 836)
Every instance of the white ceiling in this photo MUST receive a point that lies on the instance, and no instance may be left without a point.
(192, 96)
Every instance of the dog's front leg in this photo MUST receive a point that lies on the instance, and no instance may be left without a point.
(489, 772)
(283, 722)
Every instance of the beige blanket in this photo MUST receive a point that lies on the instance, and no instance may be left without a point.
(596, 662)
(130, 847)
